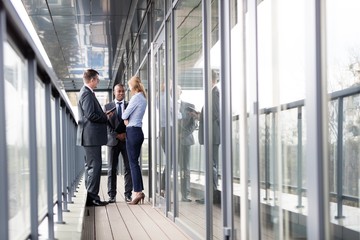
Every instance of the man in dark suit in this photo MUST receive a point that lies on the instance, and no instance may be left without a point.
(116, 144)
(215, 132)
(91, 135)
(187, 125)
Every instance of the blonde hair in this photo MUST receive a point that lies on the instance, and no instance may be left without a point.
(137, 85)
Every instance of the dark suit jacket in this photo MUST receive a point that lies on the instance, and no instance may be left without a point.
(215, 118)
(115, 126)
(92, 120)
(187, 124)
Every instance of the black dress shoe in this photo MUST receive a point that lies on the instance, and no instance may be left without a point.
(96, 203)
(201, 201)
(112, 200)
(128, 199)
(186, 200)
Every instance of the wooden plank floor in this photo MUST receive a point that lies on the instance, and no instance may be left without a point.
(122, 221)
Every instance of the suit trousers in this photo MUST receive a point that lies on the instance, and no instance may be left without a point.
(166, 158)
(216, 164)
(114, 152)
(134, 140)
(93, 164)
(184, 163)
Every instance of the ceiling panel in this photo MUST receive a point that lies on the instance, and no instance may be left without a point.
(80, 34)
(62, 7)
(82, 7)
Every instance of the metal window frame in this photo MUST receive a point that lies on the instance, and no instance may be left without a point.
(226, 119)
(318, 224)
(34, 218)
(252, 79)
(4, 203)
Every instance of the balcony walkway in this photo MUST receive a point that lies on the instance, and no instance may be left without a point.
(122, 221)
(114, 221)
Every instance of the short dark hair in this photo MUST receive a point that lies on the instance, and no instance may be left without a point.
(214, 75)
(89, 74)
(120, 85)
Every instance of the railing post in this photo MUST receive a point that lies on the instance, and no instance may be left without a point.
(267, 158)
(339, 160)
(64, 132)
(299, 159)
(49, 161)
(69, 153)
(58, 160)
(273, 153)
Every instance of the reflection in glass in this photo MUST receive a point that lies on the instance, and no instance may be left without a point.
(160, 123)
(54, 146)
(41, 146)
(281, 80)
(143, 35)
(342, 42)
(351, 145)
(344, 72)
(159, 15)
(189, 101)
(17, 138)
(237, 83)
(145, 147)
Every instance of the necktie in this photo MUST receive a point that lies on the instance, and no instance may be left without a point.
(119, 112)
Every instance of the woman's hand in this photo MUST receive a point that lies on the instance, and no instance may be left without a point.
(121, 136)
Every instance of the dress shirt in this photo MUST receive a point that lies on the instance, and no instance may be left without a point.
(121, 110)
(135, 110)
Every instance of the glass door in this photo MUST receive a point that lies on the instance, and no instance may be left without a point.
(159, 120)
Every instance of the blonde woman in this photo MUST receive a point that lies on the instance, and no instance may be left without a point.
(133, 116)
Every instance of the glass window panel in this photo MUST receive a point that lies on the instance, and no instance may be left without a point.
(144, 39)
(342, 41)
(343, 73)
(190, 100)
(143, 73)
(237, 74)
(159, 15)
(160, 121)
(135, 56)
(351, 145)
(41, 147)
(17, 138)
(281, 80)
(215, 85)
(54, 148)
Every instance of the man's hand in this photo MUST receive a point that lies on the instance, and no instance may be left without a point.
(109, 114)
(195, 115)
(126, 122)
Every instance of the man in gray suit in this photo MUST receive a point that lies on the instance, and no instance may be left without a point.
(117, 144)
(187, 125)
(91, 135)
(215, 94)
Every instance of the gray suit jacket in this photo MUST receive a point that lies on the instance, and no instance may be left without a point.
(215, 118)
(91, 130)
(115, 126)
(187, 124)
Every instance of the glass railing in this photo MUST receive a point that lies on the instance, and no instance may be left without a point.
(41, 164)
(343, 156)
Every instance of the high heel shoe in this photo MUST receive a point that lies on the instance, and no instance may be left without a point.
(138, 199)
